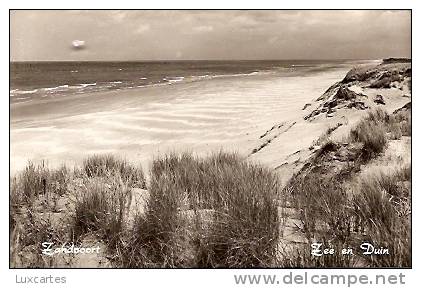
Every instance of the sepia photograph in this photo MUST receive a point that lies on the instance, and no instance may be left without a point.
(210, 139)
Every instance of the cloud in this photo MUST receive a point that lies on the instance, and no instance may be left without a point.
(214, 34)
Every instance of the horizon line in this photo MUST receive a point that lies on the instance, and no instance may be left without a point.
(181, 60)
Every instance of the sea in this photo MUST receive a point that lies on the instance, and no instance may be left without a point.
(62, 112)
(30, 81)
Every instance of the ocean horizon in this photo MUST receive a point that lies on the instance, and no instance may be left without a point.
(144, 109)
(46, 79)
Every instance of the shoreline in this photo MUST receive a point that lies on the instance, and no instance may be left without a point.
(211, 104)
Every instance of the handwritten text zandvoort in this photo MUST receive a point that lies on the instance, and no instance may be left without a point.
(66, 248)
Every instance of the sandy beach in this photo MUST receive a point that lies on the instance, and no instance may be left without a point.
(228, 113)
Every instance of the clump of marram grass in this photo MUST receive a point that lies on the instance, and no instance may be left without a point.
(320, 198)
(378, 212)
(218, 211)
(106, 165)
(37, 180)
(401, 124)
(100, 207)
(382, 206)
(158, 237)
(377, 127)
(99, 204)
(326, 218)
(33, 181)
(33, 196)
(60, 177)
(245, 228)
(372, 135)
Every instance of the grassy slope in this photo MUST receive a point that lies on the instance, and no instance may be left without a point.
(356, 185)
(342, 207)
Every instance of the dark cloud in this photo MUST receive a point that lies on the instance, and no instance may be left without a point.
(154, 35)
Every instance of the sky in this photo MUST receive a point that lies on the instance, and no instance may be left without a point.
(118, 35)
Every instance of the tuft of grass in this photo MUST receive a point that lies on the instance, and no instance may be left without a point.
(218, 211)
(102, 194)
(402, 124)
(383, 207)
(106, 165)
(37, 180)
(59, 179)
(319, 198)
(377, 212)
(100, 207)
(378, 116)
(157, 237)
(372, 135)
(386, 82)
(33, 180)
(245, 227)
(33, 196)
(327, 218)
(377, 127)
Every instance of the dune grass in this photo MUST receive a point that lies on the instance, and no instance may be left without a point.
(373, 136)
(33, 199)
(98, 193)
(245, 229)
(336, 211)
(382, 205)
(37, 180)
(377, 211)
(100, 207)
(108, 165)
(103, 197)
(376, 128)
(218, 211)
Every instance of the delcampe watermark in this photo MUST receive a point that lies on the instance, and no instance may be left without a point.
(49, 249)
(345, 278)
